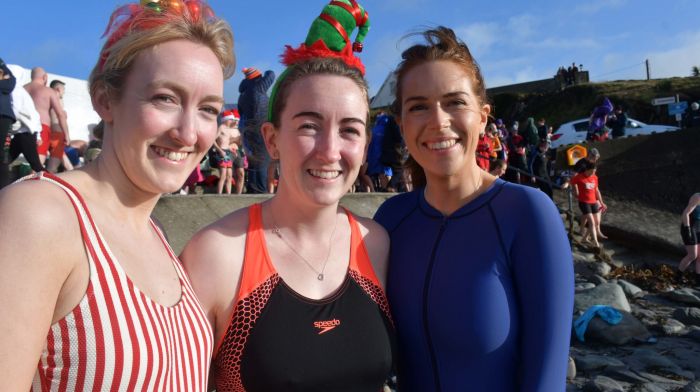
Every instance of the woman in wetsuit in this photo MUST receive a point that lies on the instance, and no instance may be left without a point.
(480, 276)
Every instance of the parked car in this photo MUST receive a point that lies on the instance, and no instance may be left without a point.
(575, 131)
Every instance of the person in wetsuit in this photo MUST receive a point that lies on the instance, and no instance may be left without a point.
(480, 281)
(293, 286)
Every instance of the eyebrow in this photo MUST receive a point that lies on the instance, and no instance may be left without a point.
(448, 95)
(319, 116)
(178, 88)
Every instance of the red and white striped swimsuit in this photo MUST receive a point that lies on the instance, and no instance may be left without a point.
(118, 339)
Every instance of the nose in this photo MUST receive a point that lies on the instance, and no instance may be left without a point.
(438, 118)
(328, 146)
(185, 131)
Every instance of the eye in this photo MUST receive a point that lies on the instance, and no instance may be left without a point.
(351, 131)
(164, 98)
(417, 107)
(307, 128)
(457, 102)
(211, 110)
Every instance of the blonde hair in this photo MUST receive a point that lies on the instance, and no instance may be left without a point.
(148, 29)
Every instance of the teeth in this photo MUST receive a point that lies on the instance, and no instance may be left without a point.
(324, 174)
(442, 145)
(171, 155)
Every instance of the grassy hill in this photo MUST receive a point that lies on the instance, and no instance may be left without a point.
(578, 101)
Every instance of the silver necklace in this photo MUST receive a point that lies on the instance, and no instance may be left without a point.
(319, 274)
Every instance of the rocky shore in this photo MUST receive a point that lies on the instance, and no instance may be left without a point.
(656, 345)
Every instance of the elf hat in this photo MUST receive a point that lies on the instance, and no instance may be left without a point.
(320, 42)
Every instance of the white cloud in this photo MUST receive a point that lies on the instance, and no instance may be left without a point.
(676, 61)
(523, 26)
(564, 43)
(479, 36)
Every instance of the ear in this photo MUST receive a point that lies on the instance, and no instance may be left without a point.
(270, 134)
(485, 111)
(102, 104)
(398, 122)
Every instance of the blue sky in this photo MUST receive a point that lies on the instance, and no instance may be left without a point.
(513, 40)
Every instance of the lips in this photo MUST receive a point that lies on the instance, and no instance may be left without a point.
(170, 155)
(325, 174)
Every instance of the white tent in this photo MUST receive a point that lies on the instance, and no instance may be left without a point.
(76, 102)
(387, 93)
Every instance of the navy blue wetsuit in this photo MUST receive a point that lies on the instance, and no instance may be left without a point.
(482, 299)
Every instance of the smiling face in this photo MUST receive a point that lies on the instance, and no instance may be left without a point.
(165, 119)
(322, 138)
(441, 119)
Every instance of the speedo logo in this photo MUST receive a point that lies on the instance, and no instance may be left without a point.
(325, 326)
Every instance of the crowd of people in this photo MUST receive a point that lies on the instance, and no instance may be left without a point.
(568, 76)
(33, 123)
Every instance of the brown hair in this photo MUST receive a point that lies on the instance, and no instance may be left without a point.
(314, 66)
(116, 58)
(441, 44)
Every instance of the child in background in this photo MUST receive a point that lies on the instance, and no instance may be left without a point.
(228, 132)
(590, 202)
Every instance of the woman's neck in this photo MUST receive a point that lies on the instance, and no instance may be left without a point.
(117, 195)
(448, 194)
(303, 219)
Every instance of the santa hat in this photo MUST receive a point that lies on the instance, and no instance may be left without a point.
(251, 73)
(230, 115)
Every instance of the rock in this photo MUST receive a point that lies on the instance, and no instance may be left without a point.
(641, 312)
(673, 327)
(589, 269)
(597, 279)
(625, 375)
(571, 369)
(628, 330)
(583, 287)
(688, 316)
(582, 257)
(693, 333)
(649, 387)
(670, 384)
(609, 294)
(692, 387)
(603, 384)
(593, 362)
(685, 295)
(647, 361)
(630, 289)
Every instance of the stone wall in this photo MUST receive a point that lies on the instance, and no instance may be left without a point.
(182, 216)
(660, 170)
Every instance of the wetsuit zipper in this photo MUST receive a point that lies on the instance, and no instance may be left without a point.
(426, 324)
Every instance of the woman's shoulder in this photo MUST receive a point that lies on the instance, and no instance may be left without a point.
(213, 259)
(36, 206)
(221, 236)
(394, 209)
(40, 227)
(523, 199)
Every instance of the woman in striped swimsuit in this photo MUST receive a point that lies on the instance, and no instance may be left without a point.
(93, 298)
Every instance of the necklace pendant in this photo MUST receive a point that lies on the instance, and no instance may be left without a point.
(320, 277)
